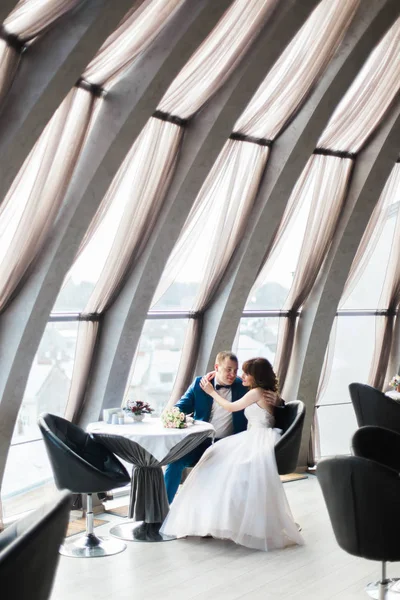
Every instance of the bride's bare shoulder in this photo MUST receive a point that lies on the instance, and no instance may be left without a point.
(262, 402)
(253, 395)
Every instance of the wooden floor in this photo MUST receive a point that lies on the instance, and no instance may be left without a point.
(202, 568)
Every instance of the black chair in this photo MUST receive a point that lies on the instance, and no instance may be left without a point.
(29, 551)
(82, 466)
(363, 498)
(289, 418)
(382, 446)
(378, 444)
(373, 407)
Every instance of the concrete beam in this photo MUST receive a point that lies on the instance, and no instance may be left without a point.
(204, 140)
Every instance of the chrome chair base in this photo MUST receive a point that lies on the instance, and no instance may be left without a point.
(91, 546)
(139, 531)
(391, 590)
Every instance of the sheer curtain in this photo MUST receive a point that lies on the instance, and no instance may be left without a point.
(384, 207)
(9, 60)
(356, 117)
(197, 74)
(314, 449)
(145, 173)
(265, 116)
(202, 76)
(367, 100)
(297, 197)
(29, 19)
(32, 204)
(327, 178)
(226, 200)
(297, 70)
(365, 250)
(134, 34)
(85, 347)
(389, 301)
(217, 57)
(229, 193)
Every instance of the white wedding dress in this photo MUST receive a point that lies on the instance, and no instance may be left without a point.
(235, 492)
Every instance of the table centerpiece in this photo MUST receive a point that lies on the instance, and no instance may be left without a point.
(137, 409)
(395, 383)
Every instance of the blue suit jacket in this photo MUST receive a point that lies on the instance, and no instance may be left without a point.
(196, 401)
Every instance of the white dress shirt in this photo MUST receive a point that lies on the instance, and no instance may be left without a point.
(221, 418)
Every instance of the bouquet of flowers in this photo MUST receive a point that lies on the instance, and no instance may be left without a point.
(395, 381)
(137, 408)
(175, 418)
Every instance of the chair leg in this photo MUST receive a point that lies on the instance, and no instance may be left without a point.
(383, 582)
(89, 545)
(384, 589)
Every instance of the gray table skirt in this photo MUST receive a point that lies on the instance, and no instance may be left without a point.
(148, 501)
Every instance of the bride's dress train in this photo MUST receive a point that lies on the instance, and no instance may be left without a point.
(235, 491)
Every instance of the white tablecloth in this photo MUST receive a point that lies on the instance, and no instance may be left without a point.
(151, 434)
(394, 395)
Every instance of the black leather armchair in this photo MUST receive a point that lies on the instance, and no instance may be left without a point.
(362, 497)
(382, 446)
(373, 407)
(29, 551)
(289, 418)
(82, 465)
(378, 444)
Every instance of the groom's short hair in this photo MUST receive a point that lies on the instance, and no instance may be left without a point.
(221, 356)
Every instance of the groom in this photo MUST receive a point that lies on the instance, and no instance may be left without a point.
(203, 407)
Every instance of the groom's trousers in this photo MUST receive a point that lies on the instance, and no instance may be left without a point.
(173, 472)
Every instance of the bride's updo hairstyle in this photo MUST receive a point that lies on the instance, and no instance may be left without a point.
(262, 372)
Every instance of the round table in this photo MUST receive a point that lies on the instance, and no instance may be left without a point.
(148, 446)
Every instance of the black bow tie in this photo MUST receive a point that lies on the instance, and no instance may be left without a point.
(218, 386)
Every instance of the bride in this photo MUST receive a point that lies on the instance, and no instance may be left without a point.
(235, 492)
